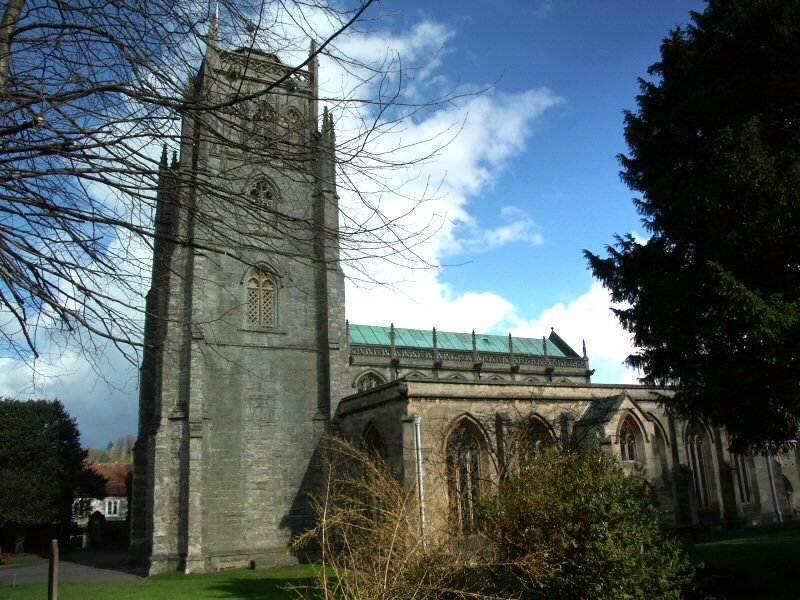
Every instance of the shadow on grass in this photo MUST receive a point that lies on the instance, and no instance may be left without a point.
(755, 562)
(267, 587)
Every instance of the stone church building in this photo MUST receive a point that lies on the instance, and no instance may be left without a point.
(249, 360)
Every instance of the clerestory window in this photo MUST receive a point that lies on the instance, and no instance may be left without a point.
(261, 300)
(368, 381)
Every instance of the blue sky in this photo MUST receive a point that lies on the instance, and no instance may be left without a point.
(531, 181)
(589, 54)
(559, 177)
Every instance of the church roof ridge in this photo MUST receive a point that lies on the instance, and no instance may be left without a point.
(451, 340)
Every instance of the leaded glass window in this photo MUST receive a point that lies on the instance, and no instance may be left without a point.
(368, 381)
(464, 457)
(263, 123)
(263, 194)
(261, 300)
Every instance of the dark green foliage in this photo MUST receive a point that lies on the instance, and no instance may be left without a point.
(574, 525)
(714, 152)
(41, 462)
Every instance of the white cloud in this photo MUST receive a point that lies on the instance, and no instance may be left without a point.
(103, 398)
(492, 128)
(588, 318)
(518, 226)
(544, 8)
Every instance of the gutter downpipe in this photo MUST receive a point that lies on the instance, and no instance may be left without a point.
(420, 487)
(772, 487)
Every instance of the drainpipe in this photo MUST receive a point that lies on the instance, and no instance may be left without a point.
(420, 487)
(772, 487)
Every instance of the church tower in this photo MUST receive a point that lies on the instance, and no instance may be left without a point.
(245, 331)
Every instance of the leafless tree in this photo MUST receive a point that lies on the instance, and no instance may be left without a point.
(89, 92)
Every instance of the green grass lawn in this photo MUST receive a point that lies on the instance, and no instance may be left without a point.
(768, 557)
(267, 584)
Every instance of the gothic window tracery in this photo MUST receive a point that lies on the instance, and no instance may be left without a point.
(526, 440)
(465, 450)
(263, 123)
(292, 131)
(368, 381)
(627, 442)
(261, 300)
(696, 454)
(263, 194)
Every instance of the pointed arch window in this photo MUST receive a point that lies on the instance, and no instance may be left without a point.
(627, 442)
(292, 123)
(263, 122)
(368, 381)
(372, 440)
(788, 491)
(539, 434)
(697, 463)
(743, 478)
(464, 465)
(262, 310)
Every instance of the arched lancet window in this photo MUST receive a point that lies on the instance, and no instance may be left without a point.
(743, 478)
(368, 381)
(695, 451)
(263, 122)
(261, 300)
(627, 441)
(263, 194)
(465, 450)
(788, 490)
(292, 123)
(539, 434)
(372, 441)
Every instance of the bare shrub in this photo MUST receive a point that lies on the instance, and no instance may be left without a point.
(370, 543)
(558, 523)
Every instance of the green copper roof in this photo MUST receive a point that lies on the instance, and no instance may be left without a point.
(448, 340)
